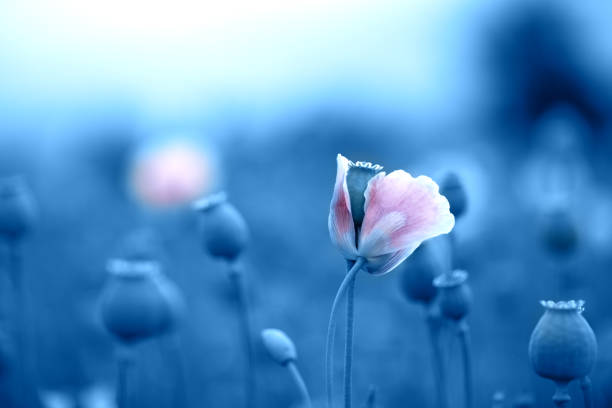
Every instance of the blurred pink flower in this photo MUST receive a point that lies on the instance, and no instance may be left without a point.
(384, 217)
(170, 174)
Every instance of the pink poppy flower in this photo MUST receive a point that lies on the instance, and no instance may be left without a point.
(384, 217)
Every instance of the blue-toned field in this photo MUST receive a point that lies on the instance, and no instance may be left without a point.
(305, 204)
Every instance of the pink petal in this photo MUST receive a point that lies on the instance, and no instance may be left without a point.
(340, 221)
(386, 263)
(401, 212)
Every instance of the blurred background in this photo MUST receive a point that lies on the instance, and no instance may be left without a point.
(119, 114)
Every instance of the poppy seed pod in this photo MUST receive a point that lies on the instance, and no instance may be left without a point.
(499, 399)
(455, 294)
(134, 304)
(418, 274)
(562, 346)
(452, 188)
(17, 210)
(224, 230)
(559, 233)
(279, 346)
(524, 400)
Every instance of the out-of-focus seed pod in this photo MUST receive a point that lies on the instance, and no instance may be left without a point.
(498, 400)
(524, 400)
(563, 346)
(56, 399)
(223, 229)
(357, 178)
(559, 233)
(279, 346)
(135, 302)
(17, 209)
(417, 276)
(452, 188)
(455, 295)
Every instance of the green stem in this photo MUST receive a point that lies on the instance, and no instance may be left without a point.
(329, 343)
(433, 320)
(348, 348)
(587, 390)
(299, 382)
(245, 328)
(464, 337)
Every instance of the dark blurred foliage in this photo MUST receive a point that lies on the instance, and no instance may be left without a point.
(282, 184)
(537, 62)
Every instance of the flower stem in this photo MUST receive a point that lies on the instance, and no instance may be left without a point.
(348, 348)
(180, 396)
(329, 343)
(586, 386)
(433, 320)
(245, 327)
(124, 361)
(464, 337)
(561, 398)
(299, 381)
(24, 389)
(453, 251)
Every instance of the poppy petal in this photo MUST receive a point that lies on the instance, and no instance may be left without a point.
(401, 212)
(340, 221)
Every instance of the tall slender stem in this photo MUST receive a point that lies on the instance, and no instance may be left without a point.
(124, 361)
(299, 382)
(180, 396)
(348, 348)
(329, 343)
(464, 337)
(452, 238)
(245, 327)
(561, 398)
(433, 321)
(16, 314)
(24, 389)
(587, 390)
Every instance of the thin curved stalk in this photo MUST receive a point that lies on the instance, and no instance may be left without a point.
(301, 385)
(433, 321)
(587, 392)
(348, 348)
(464, 337)
(329, 343)
(245, 327)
